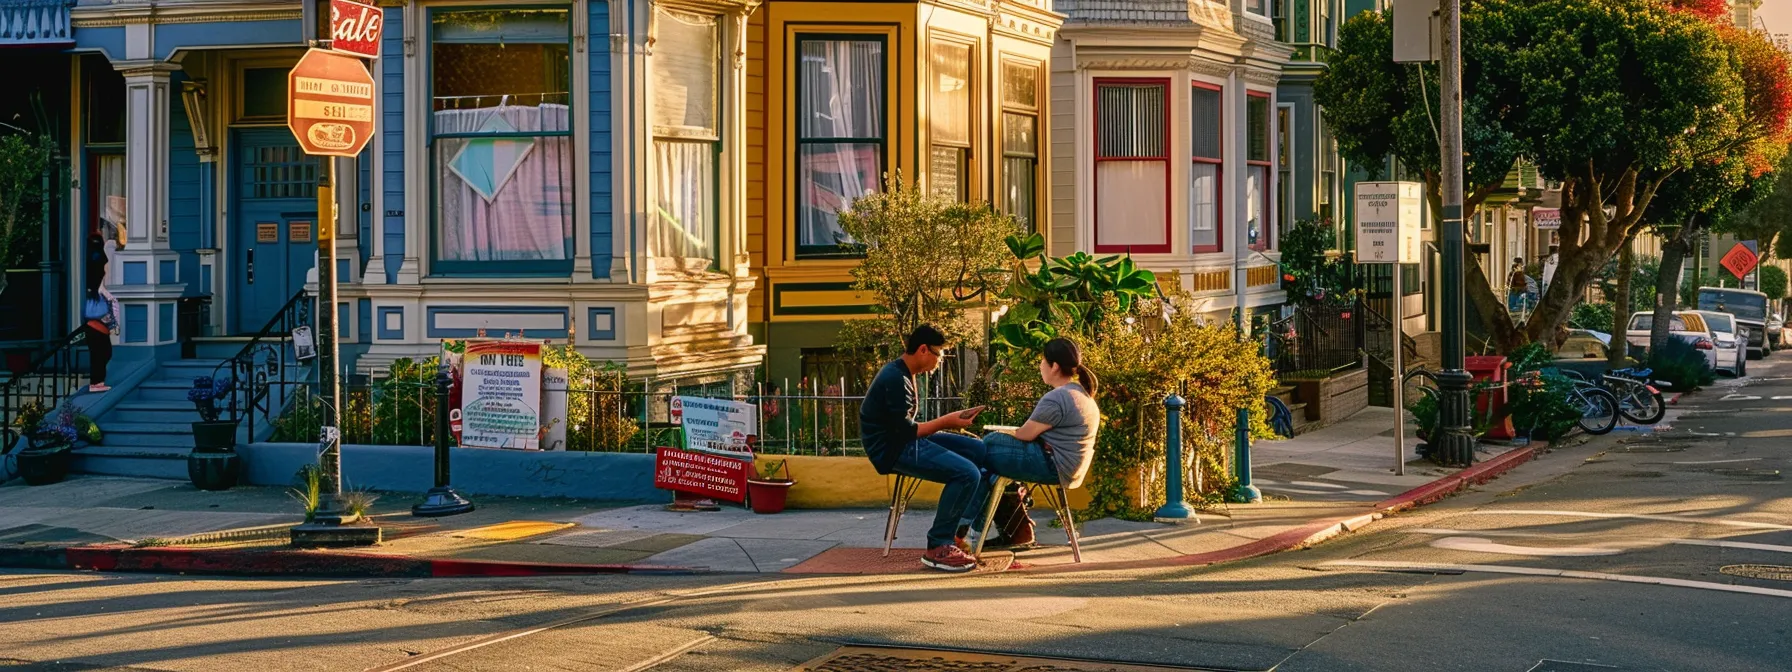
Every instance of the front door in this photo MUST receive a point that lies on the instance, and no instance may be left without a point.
(274, 241)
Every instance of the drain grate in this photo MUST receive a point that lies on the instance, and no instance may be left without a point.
(1766, 572)
(881, 659)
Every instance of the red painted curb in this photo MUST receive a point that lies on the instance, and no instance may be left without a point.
(1320, 531)
(303, 563)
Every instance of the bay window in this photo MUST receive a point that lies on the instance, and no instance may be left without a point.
(949, 110)
(1132, 165)
(839, 134)
(687, 135)
(500, 128)
(1206, 174)
(1258, 228)
(1020, 142)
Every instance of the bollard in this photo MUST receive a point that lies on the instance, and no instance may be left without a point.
(442, 500)
(1175, 508)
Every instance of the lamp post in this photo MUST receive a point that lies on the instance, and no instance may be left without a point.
(442, 500)
(1175, 508)
(1458, 443)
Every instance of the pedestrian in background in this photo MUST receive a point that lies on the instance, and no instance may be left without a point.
(99, 313)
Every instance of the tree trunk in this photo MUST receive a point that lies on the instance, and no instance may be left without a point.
(1667, 285)
(1491, 304)
(1621, 303)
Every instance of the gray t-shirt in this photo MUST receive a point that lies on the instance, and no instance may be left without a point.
(1074, 419)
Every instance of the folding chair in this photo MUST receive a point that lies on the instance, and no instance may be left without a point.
(900, 493)
(1055, 496)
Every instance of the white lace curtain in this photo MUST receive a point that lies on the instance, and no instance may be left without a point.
(506, 199)
(842, 100)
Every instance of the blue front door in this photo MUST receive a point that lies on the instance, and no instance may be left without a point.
(274, 242)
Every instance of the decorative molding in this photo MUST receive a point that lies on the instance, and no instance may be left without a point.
(1133, 63)
(1212, 68)
(110, 17)
(1256, 76)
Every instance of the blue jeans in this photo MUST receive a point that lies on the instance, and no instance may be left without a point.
(955, 461)
(1023, 461)
(1515, 301)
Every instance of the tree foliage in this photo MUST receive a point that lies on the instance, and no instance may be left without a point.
(1773, 281)
(1620, 101)
(23, 159)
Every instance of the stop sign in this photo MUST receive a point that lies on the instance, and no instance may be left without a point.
(330, 104)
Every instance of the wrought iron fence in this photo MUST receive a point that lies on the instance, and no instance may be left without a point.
(44, 381)
(1317, 340)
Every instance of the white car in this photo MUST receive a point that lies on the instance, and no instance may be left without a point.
(1731, 341)
(1687, 326)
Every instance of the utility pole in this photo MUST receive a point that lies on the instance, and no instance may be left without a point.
(1458, 443)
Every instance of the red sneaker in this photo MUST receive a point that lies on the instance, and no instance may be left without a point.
(948, 558)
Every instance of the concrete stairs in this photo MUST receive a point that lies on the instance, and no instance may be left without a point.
(1296, 407)
(149, 433)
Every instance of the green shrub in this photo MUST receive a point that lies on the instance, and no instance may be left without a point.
(1594, 316)
(1681, 366)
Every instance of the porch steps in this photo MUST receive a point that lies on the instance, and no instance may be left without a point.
(149, 433)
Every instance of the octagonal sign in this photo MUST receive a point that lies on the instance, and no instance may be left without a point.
(330, 104)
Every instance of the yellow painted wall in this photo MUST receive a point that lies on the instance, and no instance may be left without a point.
(851, 482)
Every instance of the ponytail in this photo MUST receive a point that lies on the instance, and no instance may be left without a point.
(1063, 353)
(1086, 378)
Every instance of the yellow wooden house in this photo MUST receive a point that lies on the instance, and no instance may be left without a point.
(952, 95)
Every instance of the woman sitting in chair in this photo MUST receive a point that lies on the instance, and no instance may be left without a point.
(1054, 447)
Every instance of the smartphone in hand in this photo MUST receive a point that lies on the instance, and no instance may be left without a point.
(971, 413)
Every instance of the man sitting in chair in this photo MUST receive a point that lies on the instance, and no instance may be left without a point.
(1055, 446)
(927, 451)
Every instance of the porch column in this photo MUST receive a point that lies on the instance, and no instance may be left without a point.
(145, 274)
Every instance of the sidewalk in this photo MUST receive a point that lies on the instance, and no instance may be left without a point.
(1315, 486)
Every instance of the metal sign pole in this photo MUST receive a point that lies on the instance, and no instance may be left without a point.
(1399, 318)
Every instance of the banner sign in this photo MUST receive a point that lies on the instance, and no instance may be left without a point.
(501, 395)
(1547, 219)
(719, 425)
(716, 476)
(355, 28)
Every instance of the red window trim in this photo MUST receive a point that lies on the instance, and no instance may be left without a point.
(1268, 240)
(1095, 200)
(1219, 164)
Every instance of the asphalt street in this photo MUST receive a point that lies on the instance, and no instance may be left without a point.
(1642, 550)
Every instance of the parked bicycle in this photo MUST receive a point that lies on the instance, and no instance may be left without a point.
(1599, 408)
(1639, 400)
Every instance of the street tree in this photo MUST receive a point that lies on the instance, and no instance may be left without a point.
(1610, 98)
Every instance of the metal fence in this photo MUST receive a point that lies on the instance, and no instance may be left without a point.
(401, 411)
(1317, 340)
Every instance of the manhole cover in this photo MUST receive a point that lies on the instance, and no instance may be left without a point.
(1767, 572)
(879, 659)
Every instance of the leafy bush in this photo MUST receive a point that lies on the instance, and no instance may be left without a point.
(1681, 366)
(1773, 281)
(599, 412)
(1594, 316)
(1309, 273)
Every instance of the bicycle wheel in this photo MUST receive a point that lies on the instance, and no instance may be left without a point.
(1599, 411)
(1640, 405)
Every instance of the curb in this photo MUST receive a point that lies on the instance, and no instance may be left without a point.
(322, 564)
(290, 563)
(1319, 532)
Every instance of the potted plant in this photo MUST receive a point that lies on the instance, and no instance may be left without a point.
(767, 492)
(50, 438)
(213, 464)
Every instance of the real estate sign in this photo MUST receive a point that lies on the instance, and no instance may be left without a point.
(1387, 222)
(501, 395)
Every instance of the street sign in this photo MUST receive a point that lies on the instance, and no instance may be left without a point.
(330, 104)
(1740, 260)
(355, 28)
(1387, 222)
(1547, 219)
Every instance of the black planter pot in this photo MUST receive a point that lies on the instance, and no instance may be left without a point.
(215, 470)
(214, 437)
(43, 467)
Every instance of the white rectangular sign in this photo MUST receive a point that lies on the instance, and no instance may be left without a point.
(501, 398)
(1547, 219)
(718, 425)
(1388, 215)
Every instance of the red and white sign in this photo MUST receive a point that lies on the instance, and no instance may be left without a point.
(1740, 260)
(1547, 219)
(330, 104)
(715, 476)
(355, 28)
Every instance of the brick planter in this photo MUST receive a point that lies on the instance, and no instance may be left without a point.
(1332, 399)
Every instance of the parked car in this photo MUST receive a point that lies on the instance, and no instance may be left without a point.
(1750, 309)
(1776, 327)
(1731, 340)
(1685, 326)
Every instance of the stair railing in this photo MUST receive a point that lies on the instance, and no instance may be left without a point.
(53, 375)
(264, 363)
